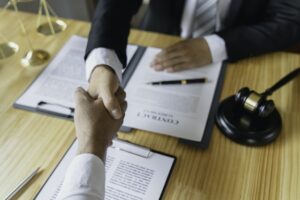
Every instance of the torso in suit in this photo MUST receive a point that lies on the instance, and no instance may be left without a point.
(252, 27)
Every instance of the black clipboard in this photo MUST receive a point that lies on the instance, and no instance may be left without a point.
(70, 114)
(154, 151)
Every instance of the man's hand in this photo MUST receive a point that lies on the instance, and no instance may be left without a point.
(104, 84)
(183, 55)
(95, 128)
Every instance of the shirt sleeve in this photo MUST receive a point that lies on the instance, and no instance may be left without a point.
(103, 56)
(217, 47)
(84, 180)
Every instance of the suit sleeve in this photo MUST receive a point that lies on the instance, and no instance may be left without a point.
(278, 30)
(111, 25)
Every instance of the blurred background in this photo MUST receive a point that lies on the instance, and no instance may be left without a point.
(84, 10)
(74, 9)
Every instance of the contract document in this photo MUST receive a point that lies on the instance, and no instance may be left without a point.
(182, 111)
(177, 110)
(53, 91)
(132, 173)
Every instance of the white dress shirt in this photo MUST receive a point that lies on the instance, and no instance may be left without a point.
(85, 177)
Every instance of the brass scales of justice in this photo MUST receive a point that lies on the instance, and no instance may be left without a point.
(52, 26)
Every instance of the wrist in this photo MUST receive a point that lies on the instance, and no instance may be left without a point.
(95, 151)
(217, 47)
(97, 148)
(102, 69)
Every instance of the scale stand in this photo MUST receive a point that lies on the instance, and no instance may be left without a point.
(7, 48)
(34, 57)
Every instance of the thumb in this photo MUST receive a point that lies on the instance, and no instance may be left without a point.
(111, 103)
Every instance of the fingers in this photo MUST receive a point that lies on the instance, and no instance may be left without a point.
(111, 103)
(178, 67)
(120, 94)
(170, 63)
(81, 96)
(169, 57)
(183, 55)
(124, 106)
(103, 85)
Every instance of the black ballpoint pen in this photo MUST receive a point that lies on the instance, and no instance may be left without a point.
(179, 82)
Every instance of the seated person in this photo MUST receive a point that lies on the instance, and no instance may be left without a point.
(217, 30)
(95, 129)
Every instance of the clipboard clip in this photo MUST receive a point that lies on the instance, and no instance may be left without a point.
(55, 109)
(129, 147)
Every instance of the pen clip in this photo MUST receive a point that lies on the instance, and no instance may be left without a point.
(131, 148)
(55, 109)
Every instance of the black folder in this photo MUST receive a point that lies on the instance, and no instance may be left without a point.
(203, 144)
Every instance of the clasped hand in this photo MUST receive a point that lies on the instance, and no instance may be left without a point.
(183, 55)
(186, 54)
(95, 128)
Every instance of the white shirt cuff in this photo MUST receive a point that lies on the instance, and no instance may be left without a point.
(217, 47)
(103, 56)
(84, 179)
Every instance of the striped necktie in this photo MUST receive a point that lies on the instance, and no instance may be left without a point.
(205, 18)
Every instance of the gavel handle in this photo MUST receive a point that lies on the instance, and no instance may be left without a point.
(281, 82)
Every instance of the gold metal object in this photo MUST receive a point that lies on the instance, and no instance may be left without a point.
(35, 58)
(8, 49)
(52, 26)
(58, 26)
(252, 101)
(183, 82)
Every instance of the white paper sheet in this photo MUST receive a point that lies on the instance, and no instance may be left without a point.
(153, 173)
(176, 110)
(58, 82)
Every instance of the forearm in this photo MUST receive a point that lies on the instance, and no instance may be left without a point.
(92, 146)
(111, 24)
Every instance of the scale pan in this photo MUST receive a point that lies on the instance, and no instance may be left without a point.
(58, 26)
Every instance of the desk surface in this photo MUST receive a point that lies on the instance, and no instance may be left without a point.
(224, 171)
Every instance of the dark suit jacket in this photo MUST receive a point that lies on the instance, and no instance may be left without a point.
(253, 27)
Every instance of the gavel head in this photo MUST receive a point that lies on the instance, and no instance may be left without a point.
(254, 102)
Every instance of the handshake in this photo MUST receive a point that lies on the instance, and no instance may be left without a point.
(95, 127)
(100, 112)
